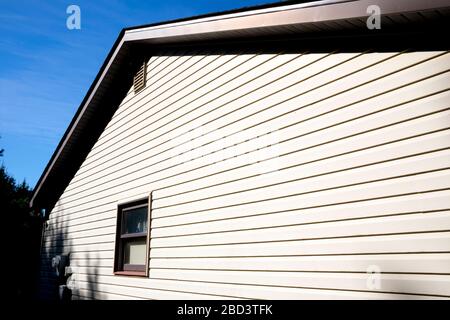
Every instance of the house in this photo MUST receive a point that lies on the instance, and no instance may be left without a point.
(287, 151)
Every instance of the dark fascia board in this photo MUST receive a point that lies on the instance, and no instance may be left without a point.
(221, 13)
(211, 25)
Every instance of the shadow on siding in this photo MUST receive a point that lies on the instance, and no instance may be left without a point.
(55, 242)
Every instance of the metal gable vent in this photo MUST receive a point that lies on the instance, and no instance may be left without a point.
(140, 78)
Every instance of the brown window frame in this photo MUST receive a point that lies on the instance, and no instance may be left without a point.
(128, 269)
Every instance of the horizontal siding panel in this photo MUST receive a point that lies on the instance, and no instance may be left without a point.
(86, 262)
(289, 204)
(61, 223)
(174, 127)
(279, 162)
(290, 158)
(71, 242)
(307, 179)
(400, 205)
(404, 263)
(50, 250)
(306, 96)
(438, 221)
(89, 223)
(282, 176)
(436, 121)
(401, 131)
(252, 65)
(255, 72)
(421, 203)
(371, 190)
(130, 105)
(436, 141)
(153, 73)
(148, 293)
(92, 271)
(83, 294)
(160, 91)
(86, 255)
(249, 291)
(394, 263)
(90, 232)
(374, 226)
(382, 171)
(423, 242)
(401, 78)
(374, 121)
(223, 71)
(419, 284)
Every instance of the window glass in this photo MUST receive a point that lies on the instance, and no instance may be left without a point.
(134, 252)
(135, 220)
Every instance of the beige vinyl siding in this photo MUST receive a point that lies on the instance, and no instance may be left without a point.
(273, 176)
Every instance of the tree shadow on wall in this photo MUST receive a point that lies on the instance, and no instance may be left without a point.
(82, 276)
(55, 256)
(92, 277)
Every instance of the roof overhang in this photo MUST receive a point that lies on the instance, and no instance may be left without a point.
(298, 19)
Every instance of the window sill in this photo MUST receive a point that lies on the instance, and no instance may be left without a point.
(130, 273)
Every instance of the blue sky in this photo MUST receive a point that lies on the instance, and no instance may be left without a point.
(46, 69)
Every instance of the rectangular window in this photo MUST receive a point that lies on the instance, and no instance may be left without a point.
(132, 238)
